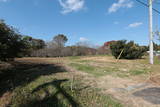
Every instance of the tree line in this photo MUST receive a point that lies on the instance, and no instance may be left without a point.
(13, 44)
(56, 48)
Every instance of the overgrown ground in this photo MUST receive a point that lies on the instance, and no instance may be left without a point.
(39, 82)
(107, 65)
(73, 81)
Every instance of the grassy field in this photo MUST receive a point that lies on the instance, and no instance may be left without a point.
(35, 82)
(107, 65)
(54, 82)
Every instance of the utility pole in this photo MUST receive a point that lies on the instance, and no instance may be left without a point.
(150, 32)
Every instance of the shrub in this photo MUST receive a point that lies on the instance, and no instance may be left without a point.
(128, 50)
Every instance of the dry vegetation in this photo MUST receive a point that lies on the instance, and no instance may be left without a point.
(34, 82)
(104, 65)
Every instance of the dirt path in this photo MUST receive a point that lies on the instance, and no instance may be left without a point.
(128, 91)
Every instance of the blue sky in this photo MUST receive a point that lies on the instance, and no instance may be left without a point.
(81, 20)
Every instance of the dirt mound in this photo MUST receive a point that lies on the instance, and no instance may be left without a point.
(155, 79)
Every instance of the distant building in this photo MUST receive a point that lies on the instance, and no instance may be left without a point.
(156, 53)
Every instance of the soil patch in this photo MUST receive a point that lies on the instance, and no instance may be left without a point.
(155, 79)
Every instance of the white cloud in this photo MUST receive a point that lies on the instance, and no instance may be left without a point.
(82, 39)
(3, 0)
(71, 5)
(120, 4)
(136, 24)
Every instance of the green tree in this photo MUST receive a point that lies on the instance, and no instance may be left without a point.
(60, 40)
(156, 46)
(33, 44)
(11, 43)
(128, 50)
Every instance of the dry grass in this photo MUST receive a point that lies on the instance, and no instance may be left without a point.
(46, 82)
(104, 65)
(98, 72)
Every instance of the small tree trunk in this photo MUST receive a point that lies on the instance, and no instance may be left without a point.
(72, 79)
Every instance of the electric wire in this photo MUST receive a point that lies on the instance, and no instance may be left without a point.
(147, 6)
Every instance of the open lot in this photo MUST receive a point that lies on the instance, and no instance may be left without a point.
(91, 81)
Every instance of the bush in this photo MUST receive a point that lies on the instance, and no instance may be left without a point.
(128, 50)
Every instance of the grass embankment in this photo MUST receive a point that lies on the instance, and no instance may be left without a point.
(48, 85)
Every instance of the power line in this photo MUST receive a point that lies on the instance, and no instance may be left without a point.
(147, 6)
(156, 2)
